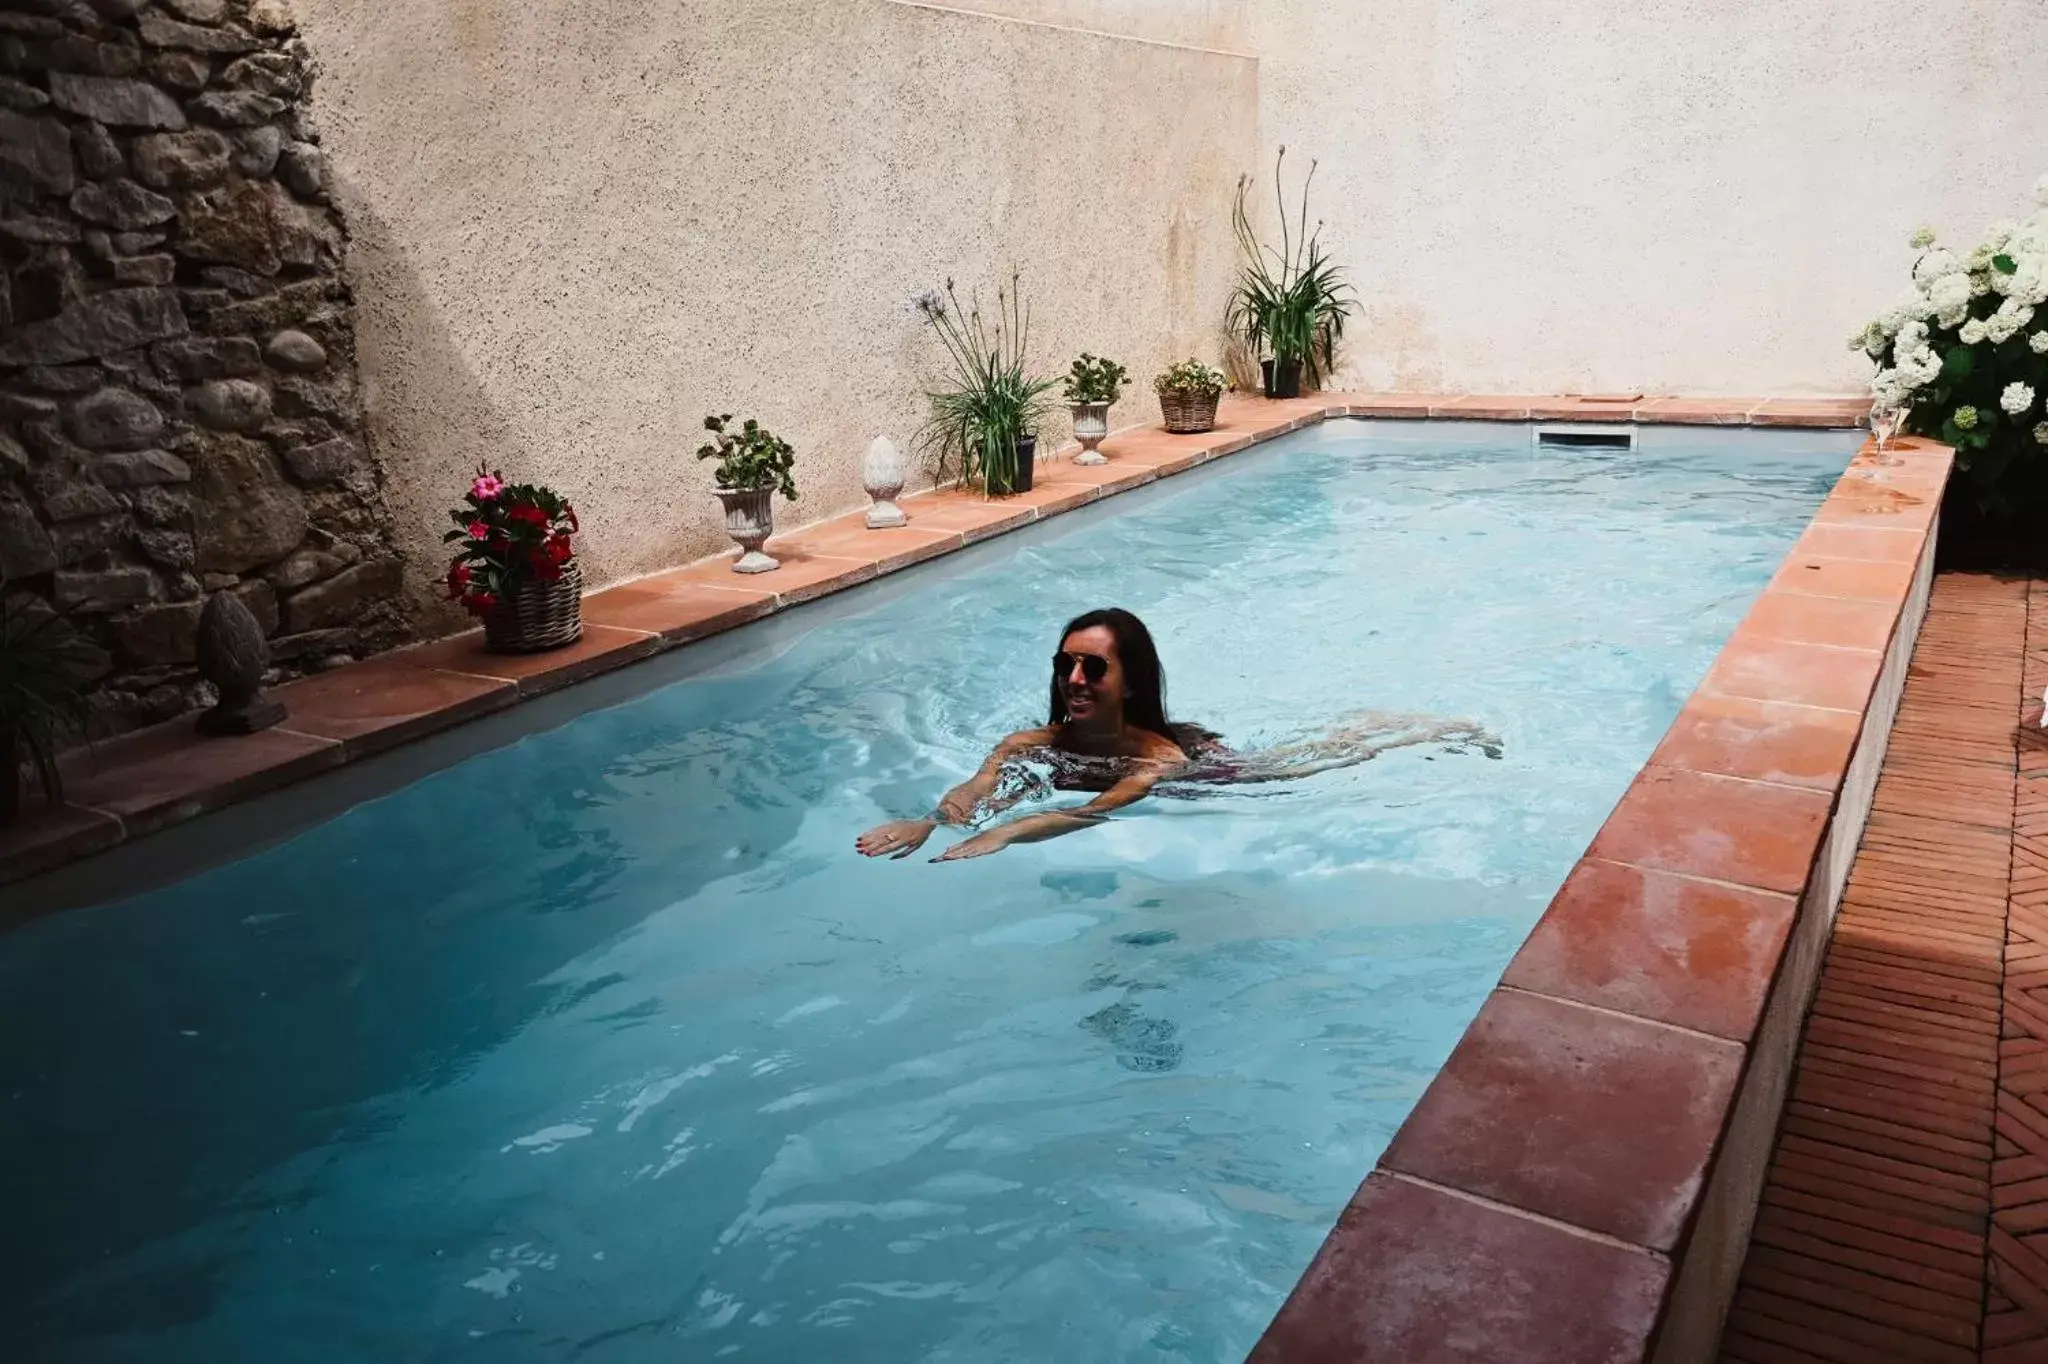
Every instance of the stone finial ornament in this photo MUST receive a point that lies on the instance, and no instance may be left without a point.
(881, 473)
(232, 656)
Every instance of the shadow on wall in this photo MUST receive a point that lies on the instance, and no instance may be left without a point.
(418, 393)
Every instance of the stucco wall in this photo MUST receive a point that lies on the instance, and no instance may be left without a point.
(1220, 24)
(1667, 195)
(577, 227)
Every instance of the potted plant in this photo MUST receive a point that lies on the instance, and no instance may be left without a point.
(1964, 359)
(984, 427)
(515, 568)
(1093, 384)
(1188, 394)
(1289, 304)
(753, 465)
(41, 699)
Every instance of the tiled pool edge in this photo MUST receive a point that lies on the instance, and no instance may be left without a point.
(1690, 1332)
(1624, 1122)
(141, 783)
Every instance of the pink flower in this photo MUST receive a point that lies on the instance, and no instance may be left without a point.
(486, 488)
(479, 531)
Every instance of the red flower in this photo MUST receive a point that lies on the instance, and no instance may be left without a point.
(529, 515)
(458, 578)
(480, 603)
(479, 531)
(560, 550)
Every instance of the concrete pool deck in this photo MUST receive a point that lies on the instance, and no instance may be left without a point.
(125, 788)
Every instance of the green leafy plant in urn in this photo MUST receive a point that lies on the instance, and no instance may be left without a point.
(1093, 385)
(753, 465)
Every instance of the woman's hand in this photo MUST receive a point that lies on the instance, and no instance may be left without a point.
(981, 845)
(897, 838)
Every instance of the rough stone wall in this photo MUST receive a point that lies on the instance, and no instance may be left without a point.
(178, 398)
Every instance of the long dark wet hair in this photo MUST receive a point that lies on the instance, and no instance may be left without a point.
(1145, 703)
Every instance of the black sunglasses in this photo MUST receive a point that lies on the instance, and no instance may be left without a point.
(1094, 667)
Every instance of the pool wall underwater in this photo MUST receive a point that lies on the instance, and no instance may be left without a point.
(1579, 1180)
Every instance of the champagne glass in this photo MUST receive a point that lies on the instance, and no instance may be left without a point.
(1884, 425)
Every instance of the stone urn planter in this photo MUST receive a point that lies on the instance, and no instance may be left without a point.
(536, 616)
(750, 520)
(1091, 427)
(753, 465)
(1094, 383)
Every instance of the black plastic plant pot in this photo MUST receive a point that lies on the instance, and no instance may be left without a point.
(1020, 478)
(1282, 378)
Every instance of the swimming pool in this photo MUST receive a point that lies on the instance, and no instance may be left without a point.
(603, 1045)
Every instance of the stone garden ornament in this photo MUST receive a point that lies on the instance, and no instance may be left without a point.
(882, 473)
(233, 656)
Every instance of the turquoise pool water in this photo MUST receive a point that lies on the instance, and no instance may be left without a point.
(604, 1046)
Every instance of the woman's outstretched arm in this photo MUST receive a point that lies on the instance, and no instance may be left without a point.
(1036, 828)
(902, 837)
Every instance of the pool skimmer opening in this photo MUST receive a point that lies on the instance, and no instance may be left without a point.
(1585, 437)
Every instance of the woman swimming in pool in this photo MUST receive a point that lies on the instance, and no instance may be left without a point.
(1108, 722)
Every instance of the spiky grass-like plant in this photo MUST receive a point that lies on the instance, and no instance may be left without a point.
(1292, 301)
(41, 699)
(991, 403)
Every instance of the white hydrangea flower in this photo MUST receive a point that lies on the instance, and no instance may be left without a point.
(2000, 327)
(1965, 418)
(1923, 366)
(1912, 336)
(2041, 434)
(1936, 263)
(2001, 232)
(1953, 317)
(1949, 293)
(1924, 236)
(2016, 399)
(2038, 343)
(1913, 305)
(1973, 331)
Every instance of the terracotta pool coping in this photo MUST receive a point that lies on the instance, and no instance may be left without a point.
(139, 783)
(1579, 1180)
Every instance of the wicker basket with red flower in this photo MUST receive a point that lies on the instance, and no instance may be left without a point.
(515, 565)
